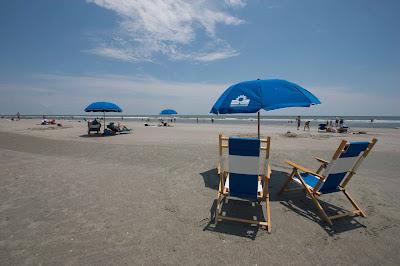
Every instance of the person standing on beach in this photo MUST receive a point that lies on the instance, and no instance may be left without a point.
(336, 122)
(298, 120)
(18, 116)
(197, 120)
(212, 120)
(307, 125)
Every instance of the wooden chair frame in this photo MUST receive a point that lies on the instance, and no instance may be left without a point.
(313, 192)
(223, 194)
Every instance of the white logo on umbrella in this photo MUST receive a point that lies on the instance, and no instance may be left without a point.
(240, 101)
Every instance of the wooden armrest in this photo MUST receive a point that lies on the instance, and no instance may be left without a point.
(303, 169)
(321, 160)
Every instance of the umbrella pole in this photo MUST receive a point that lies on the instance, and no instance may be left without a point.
(104, 131)
(258, 124)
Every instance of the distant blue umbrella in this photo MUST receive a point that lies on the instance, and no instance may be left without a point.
(168, 112)
(103, 107)
(252, 96)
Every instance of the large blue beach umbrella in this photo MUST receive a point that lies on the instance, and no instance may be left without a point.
(103, 107)
(168, 112)
(270, 94)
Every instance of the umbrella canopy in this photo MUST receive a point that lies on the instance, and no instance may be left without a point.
(168, 112)
(252, 96)
(103, 107)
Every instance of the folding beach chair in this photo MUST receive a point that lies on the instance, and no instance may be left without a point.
(244, 175)
(94, 127)
(331, 176)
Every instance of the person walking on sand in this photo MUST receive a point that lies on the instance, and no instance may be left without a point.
(18, 116)
(307, 125)
(212, 120)
(197, 120)
(298, 120)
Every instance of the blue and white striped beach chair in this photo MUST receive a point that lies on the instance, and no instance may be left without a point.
(244, 175)
(331, 176)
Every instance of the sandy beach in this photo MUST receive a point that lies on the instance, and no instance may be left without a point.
(147, 198)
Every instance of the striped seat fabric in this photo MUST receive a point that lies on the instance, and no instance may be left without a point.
(337, 169)
(244, 167)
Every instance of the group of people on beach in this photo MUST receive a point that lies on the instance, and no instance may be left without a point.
(306, 124)
(339, 123)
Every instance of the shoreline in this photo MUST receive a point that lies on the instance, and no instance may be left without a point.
(351, 121)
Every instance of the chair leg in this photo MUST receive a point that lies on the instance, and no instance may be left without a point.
(267, 212)
(325, 217)
(362, 213)
(286, 185)
(218, 208)
(310, 193)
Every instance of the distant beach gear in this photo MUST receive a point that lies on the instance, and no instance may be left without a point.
(119, 129)
(331, 176)
(252, 96)
(322, 127)
(248, 159)
(168, 112)
(103, 107)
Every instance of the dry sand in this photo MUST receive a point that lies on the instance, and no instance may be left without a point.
(147, 198)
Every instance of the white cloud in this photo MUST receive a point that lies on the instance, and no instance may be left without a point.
(167, 27)
(236, 3)
(119, 54)
(206, 57)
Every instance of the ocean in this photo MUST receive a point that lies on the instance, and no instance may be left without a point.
(351, 121)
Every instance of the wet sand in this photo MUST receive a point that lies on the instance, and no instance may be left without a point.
(147, 198)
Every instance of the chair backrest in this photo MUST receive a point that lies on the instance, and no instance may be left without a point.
(93, 126)
(345, 161)
(244, 166)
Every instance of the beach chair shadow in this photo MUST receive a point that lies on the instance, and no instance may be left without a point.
(237, 208)
(278, 178)
(211, 178)
(233, 228)
(94, 135)
(304, 207)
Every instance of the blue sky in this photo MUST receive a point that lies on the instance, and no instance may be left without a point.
(58, 56)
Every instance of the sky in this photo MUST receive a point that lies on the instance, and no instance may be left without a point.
(56, 57)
